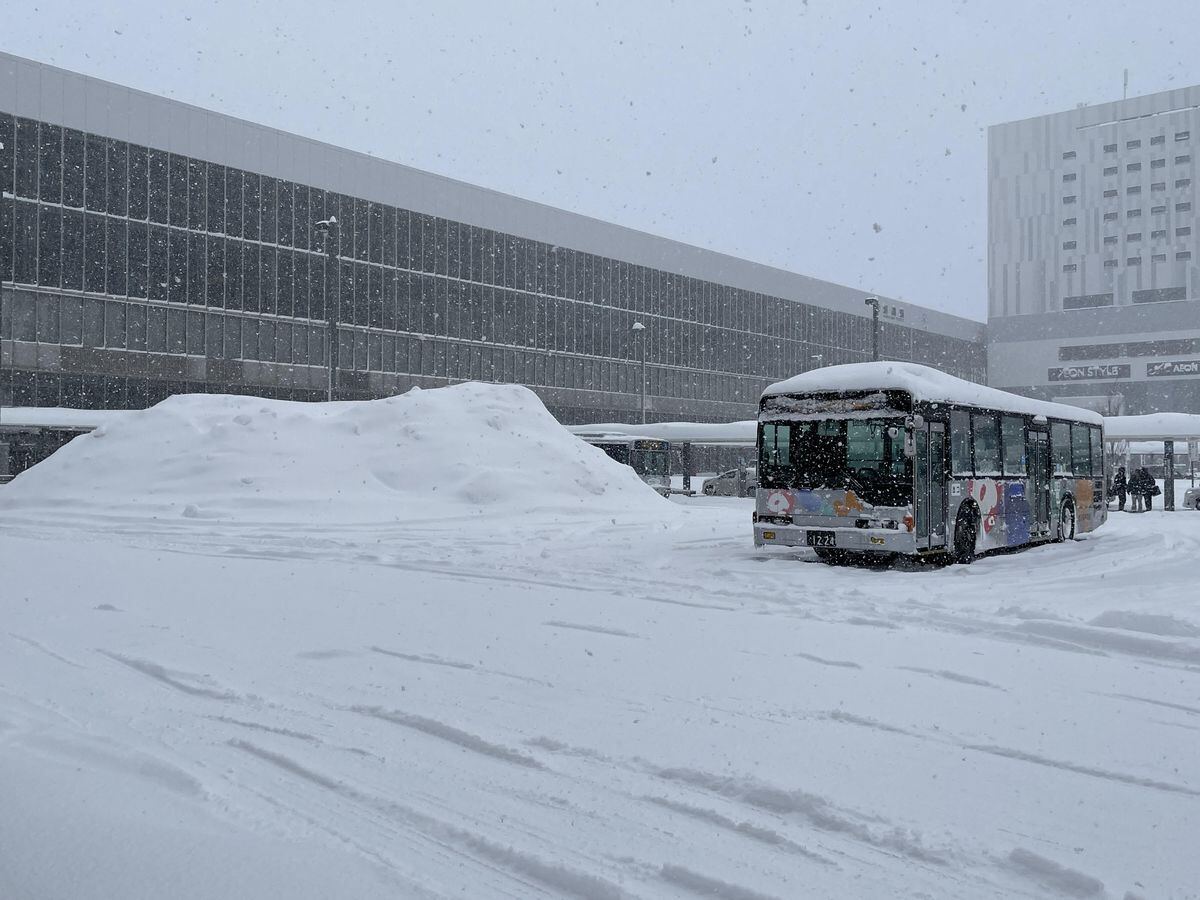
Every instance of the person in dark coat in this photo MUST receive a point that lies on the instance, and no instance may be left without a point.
(1119, 487)
(1142, 486)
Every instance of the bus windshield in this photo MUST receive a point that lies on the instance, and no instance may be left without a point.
(863, 455)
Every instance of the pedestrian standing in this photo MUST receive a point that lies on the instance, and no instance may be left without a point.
(1142, 486)
(1119, 487)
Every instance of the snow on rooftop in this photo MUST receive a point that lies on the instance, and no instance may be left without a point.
(924, 384)
(57, 417)
(679, 432)
(460, 450)
(1155, 426)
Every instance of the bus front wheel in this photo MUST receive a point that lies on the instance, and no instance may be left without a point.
(966, 528)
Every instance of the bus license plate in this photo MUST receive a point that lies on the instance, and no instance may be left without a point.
(821, 539)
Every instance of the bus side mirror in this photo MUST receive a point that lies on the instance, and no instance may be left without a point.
(909, 446)
(893, 432)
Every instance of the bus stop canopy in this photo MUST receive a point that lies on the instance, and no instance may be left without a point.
(56, 418)
(1164, 426)
(730, 434)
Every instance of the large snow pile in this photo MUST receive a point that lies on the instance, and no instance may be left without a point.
(458, 450)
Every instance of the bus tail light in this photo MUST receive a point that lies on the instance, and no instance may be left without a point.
(908, 522)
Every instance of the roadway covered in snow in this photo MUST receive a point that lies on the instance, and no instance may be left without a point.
(441, 648)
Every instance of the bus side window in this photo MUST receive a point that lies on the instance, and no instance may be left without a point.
(960, 442)
(776, 444)
(1081, 449)
(1097, 452)
(1013, 431)
(1060, 447)
(987, 444)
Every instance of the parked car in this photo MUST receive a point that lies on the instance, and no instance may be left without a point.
(726, 484)
(1191, 499)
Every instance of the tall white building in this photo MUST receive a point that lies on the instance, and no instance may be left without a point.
(1093, 261)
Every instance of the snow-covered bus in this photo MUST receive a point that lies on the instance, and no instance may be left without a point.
(651, 459)
(874, 460)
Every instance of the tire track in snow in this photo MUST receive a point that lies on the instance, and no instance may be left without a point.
(1053, 875)
(709, 887)
(1135, 780)
(595, 629)
(450, 734)
(947, 675)
(766, 836)
(560, 879)
(44, 649)
(180, 681)
(817, 811)
(840, 663)
(1188, 709)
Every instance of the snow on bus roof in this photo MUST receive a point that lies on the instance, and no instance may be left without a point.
(924, 384)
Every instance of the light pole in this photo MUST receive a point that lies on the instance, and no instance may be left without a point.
(329, 228)
(873, 302)
(639, 332)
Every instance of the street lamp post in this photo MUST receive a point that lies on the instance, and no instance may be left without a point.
(639, 331)
(873, 302)
(329, 227)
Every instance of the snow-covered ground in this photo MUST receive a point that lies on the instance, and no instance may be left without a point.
(549, 682)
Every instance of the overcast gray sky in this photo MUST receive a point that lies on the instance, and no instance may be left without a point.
(837, 138)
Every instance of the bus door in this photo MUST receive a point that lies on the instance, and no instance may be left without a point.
(929, 463)
(1039, 481)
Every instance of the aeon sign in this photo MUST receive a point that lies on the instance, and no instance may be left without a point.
(1088, 373)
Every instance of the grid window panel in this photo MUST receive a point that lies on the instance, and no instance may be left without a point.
(50, 163)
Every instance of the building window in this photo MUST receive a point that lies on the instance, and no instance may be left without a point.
(1132, 145)
(1069, 198)
(1134, 189)
(1070, 221)
(1159, 257)
(1155, 235)
(1110, 170)
(1110, 193)
(1133, 261)
(1110, 264)
(1183, 207)
(1158, 186)
(1182, 135)
(1183, 231)
(1180, 160)
(1110, 148)
(1110, 239)
(1157, 210)
(1133, 236)
(1133, 167)
(1070, 176)
(1184, 254)
(1157, 163)
(1182, 182)
(1158, 139)
(1070, 154)
(1068, 245)
(1070, 267)
(1133, 213)
(1110, 217)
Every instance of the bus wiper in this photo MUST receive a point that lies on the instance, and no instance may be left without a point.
(853, 482)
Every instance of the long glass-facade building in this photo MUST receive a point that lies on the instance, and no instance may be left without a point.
(148, 247)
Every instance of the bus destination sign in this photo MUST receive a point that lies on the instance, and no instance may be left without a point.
(1088, 373)
(1185, 367)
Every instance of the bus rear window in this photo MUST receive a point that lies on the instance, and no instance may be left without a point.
(776, 445)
